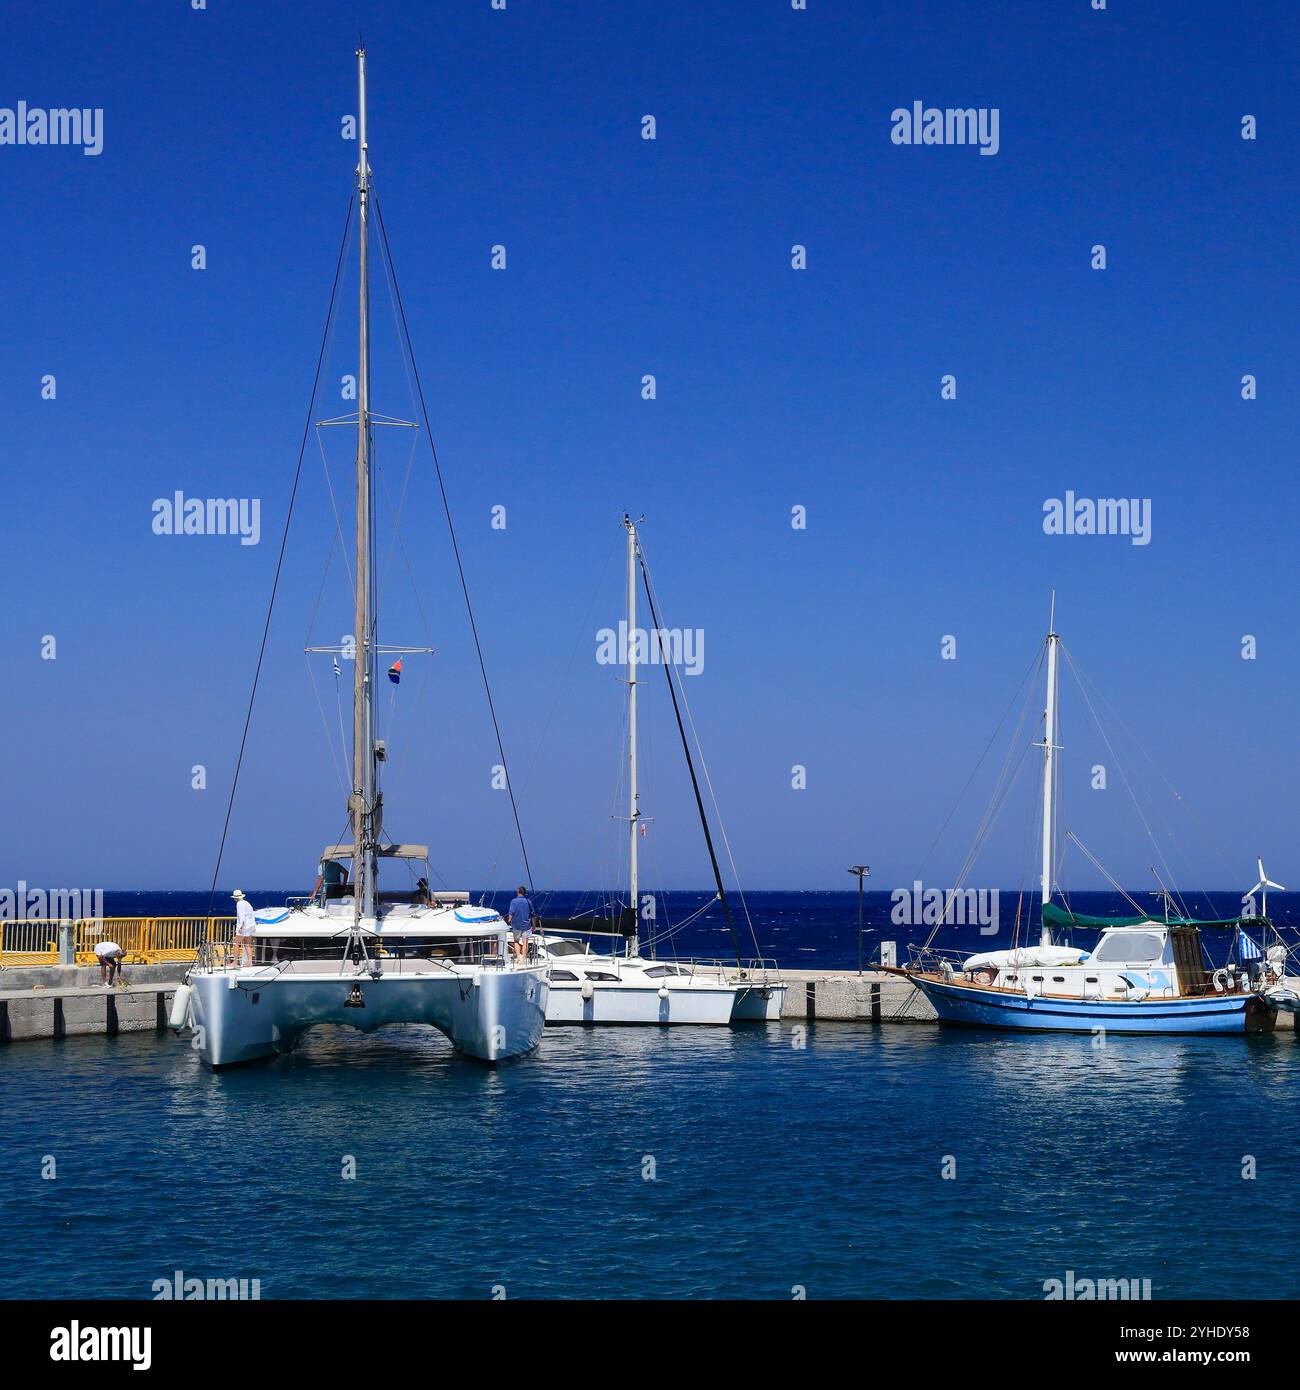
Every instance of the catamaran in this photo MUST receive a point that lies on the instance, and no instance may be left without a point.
(624, 986)
(1146, 973)
(355, 951)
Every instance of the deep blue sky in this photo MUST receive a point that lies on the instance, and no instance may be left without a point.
(776, 388)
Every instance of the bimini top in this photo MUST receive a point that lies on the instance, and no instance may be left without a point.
(1054, 916)
(383, 851)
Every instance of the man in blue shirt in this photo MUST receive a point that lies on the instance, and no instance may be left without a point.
(520, 920)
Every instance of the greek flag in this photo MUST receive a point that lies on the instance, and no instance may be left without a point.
(337, 672)
(1246, 947)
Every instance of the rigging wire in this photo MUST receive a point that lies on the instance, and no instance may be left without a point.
(1032, 671)
(1182, 906)
(1105, 873)
(669, 667)
(1084, 679)
(722, 824)
(560, 690)
(324, 719)
(311, 675)
(986, 828)
(338, 529)
(1002, 786)
(460, 568)
(279, 562)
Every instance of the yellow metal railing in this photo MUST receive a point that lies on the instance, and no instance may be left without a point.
(29, 943)
(145, 940)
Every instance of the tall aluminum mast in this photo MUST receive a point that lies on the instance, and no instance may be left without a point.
(634, 809)
(362, 803)
(1050, 748)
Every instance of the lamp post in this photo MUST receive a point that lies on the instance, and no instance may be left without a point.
(863, 871)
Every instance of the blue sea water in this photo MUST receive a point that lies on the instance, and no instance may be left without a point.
(844, 1159)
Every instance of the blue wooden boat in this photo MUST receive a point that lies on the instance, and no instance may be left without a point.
(1146, 974)
(977, 1003)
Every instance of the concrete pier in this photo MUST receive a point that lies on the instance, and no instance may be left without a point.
(28, 977)
(71, 1012)
(846, 996)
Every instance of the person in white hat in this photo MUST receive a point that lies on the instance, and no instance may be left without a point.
(245, 926)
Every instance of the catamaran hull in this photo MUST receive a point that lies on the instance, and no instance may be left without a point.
(756, 1003)
(982, 1008)
(240, 1016)
(612, 1003)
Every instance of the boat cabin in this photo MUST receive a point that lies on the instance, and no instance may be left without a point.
(411, 922)
(1145, 960)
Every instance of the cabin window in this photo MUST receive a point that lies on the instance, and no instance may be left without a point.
(563, 975)
(1092, 979)
(566, 948)
(1130, 946)
(601, 975)
(1058, 979)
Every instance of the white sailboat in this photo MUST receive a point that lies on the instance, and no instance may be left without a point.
(590, 986)
(358, 952)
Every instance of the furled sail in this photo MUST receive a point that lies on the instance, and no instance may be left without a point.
(1054, 916)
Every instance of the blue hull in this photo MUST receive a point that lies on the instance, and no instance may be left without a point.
(981, 1008)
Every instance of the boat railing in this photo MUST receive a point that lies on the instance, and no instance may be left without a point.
(211, 955)
(216, 954)
(931, 960)
(761, 970)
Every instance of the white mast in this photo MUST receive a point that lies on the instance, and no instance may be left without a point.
(1049, 757)
(634, 809)
(362, 803)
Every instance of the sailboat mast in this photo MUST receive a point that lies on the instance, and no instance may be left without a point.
(362, 801)
(1049, 767)
(634, 809)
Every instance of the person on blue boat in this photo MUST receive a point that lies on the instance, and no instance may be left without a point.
(520, 919)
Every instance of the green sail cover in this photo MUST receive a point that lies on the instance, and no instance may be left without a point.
(1054, 916)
